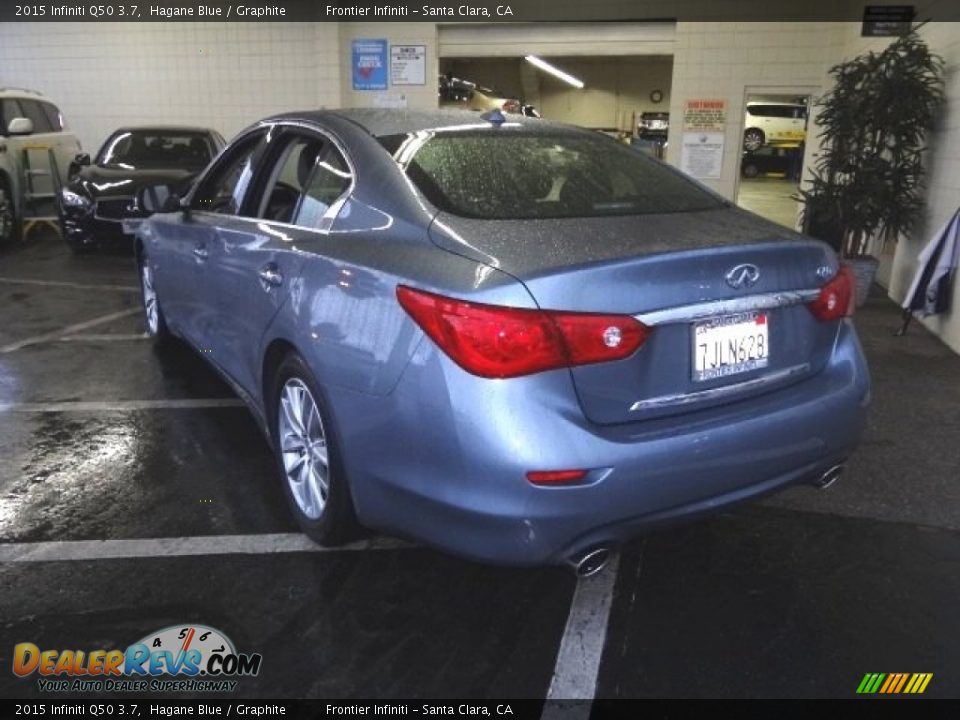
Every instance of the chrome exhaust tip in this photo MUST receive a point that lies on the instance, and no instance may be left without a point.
(590, 562)
(829, 477)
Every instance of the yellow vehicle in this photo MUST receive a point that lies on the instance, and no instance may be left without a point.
(774, 123)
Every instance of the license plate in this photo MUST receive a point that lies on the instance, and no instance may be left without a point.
(729, 345)
(130, 226)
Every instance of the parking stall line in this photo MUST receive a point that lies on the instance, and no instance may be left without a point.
(266, 544)
(581, 648)
(64, 284)
(106, 337)
(57, 334)
(120, 405)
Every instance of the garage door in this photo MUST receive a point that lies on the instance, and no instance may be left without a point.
(620, 38)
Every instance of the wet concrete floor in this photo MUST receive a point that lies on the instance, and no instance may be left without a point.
(799, 595)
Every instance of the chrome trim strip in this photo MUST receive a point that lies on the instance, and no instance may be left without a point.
(719, 392)
(712, 308)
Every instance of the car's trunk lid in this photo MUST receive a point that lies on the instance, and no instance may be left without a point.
(670, 271)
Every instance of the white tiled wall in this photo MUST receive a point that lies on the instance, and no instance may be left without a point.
(224, 75)
(725, 60)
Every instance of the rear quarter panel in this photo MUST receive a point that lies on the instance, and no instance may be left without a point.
(343, 316)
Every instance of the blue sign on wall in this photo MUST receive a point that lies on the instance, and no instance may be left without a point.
(369, 64)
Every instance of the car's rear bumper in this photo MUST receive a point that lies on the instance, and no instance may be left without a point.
(444, 457)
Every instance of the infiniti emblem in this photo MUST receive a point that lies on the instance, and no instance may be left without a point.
(742, 276)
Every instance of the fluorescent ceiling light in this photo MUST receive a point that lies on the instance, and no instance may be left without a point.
(555, 71)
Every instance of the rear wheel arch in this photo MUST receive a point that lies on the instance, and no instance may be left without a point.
(276, 351)
(338, 523)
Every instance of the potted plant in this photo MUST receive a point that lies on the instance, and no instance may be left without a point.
(867, 181)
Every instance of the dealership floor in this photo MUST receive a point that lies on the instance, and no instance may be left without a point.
(104, 438)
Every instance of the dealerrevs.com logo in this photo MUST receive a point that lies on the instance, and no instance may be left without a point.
(179, 658)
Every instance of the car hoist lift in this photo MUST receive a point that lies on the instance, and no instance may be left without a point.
(41, 188)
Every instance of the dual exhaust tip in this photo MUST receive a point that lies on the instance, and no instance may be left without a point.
(591, 562)
(829, 477)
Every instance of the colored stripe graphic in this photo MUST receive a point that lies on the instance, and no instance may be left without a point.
(894, 683)
(892, 679)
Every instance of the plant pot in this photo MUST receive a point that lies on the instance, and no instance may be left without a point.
(864, 270)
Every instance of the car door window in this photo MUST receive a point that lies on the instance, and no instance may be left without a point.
(32, 110)
(223, 190)
(291, 172)
(329, 181)
(9, 109)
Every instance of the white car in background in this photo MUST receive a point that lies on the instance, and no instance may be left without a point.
(29, 120)
(774, 123)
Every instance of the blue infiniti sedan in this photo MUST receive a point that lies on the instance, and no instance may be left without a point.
(518, 341)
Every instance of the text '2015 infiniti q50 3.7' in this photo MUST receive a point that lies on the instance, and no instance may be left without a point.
(515, 340)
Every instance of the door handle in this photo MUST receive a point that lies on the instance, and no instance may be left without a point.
(201, 252)
(270, 276)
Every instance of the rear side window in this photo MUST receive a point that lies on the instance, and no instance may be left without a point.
(291, 177)
(501, 174)
(330, 179)
(53, 116)
(33, 110)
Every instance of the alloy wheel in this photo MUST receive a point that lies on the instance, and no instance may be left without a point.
(753, 140)
(150, 308)
(303, 448)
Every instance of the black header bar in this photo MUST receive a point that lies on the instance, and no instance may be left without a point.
(456, 12)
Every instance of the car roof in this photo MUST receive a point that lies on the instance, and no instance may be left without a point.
(22, 93)
(163, 128)
(380, 122)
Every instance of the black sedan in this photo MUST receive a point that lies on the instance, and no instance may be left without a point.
(99, 197)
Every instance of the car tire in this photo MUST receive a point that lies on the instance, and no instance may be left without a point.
(153, 317)
(750, 171)
(9, 222)
(308, 455)
(753, 139)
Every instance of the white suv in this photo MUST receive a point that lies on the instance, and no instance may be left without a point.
(774, 123)
(29, 120)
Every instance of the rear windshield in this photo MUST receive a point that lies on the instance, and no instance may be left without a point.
(499, 174)
(156, 150)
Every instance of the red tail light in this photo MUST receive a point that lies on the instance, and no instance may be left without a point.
(502, 342)
(555, 477)
(836, 298)
(511, 106)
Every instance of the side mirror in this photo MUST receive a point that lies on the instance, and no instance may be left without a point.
(79, 160)
(20, 126)
(158, 198)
